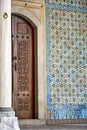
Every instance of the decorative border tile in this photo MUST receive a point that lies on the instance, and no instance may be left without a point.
(72, 3)
(69, 6)
(68, 111)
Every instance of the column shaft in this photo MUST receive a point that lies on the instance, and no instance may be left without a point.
(5, 53)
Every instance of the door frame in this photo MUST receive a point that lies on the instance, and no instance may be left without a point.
(40, 59)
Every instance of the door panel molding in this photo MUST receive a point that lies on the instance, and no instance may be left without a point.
(23, 68)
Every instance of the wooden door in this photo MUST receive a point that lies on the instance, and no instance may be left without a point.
(22, 68)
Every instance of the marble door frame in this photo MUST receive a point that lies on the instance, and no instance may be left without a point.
(41, 65)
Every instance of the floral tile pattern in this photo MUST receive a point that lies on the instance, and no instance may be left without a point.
(66, 60)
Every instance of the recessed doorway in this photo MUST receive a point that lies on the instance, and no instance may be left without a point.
(23, 68)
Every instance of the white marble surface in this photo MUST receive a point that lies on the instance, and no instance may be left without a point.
(5, 54)
(9, 123)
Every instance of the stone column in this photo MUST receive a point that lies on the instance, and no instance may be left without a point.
(5, 53)
(7, 116)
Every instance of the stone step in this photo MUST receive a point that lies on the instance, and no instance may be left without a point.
(28, 122)
(55, 127)
(35, 124)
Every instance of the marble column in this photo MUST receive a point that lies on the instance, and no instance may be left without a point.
(5, 53)
(7, 115)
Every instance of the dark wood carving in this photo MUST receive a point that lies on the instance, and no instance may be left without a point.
(22, 68)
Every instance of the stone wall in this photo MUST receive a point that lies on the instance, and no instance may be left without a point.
(66, 40)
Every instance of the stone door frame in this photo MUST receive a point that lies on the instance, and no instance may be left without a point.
(41, 62)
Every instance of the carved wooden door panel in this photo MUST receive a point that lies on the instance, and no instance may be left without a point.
(22, 68)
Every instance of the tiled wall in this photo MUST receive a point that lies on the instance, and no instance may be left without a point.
(66, 33)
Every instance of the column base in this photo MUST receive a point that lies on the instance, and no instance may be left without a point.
(8, 121)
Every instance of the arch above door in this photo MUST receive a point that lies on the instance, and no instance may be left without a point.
(41, 55)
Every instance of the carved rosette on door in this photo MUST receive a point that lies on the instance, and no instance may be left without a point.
(22, 68)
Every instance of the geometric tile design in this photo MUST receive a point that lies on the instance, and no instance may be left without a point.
(66, 61)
